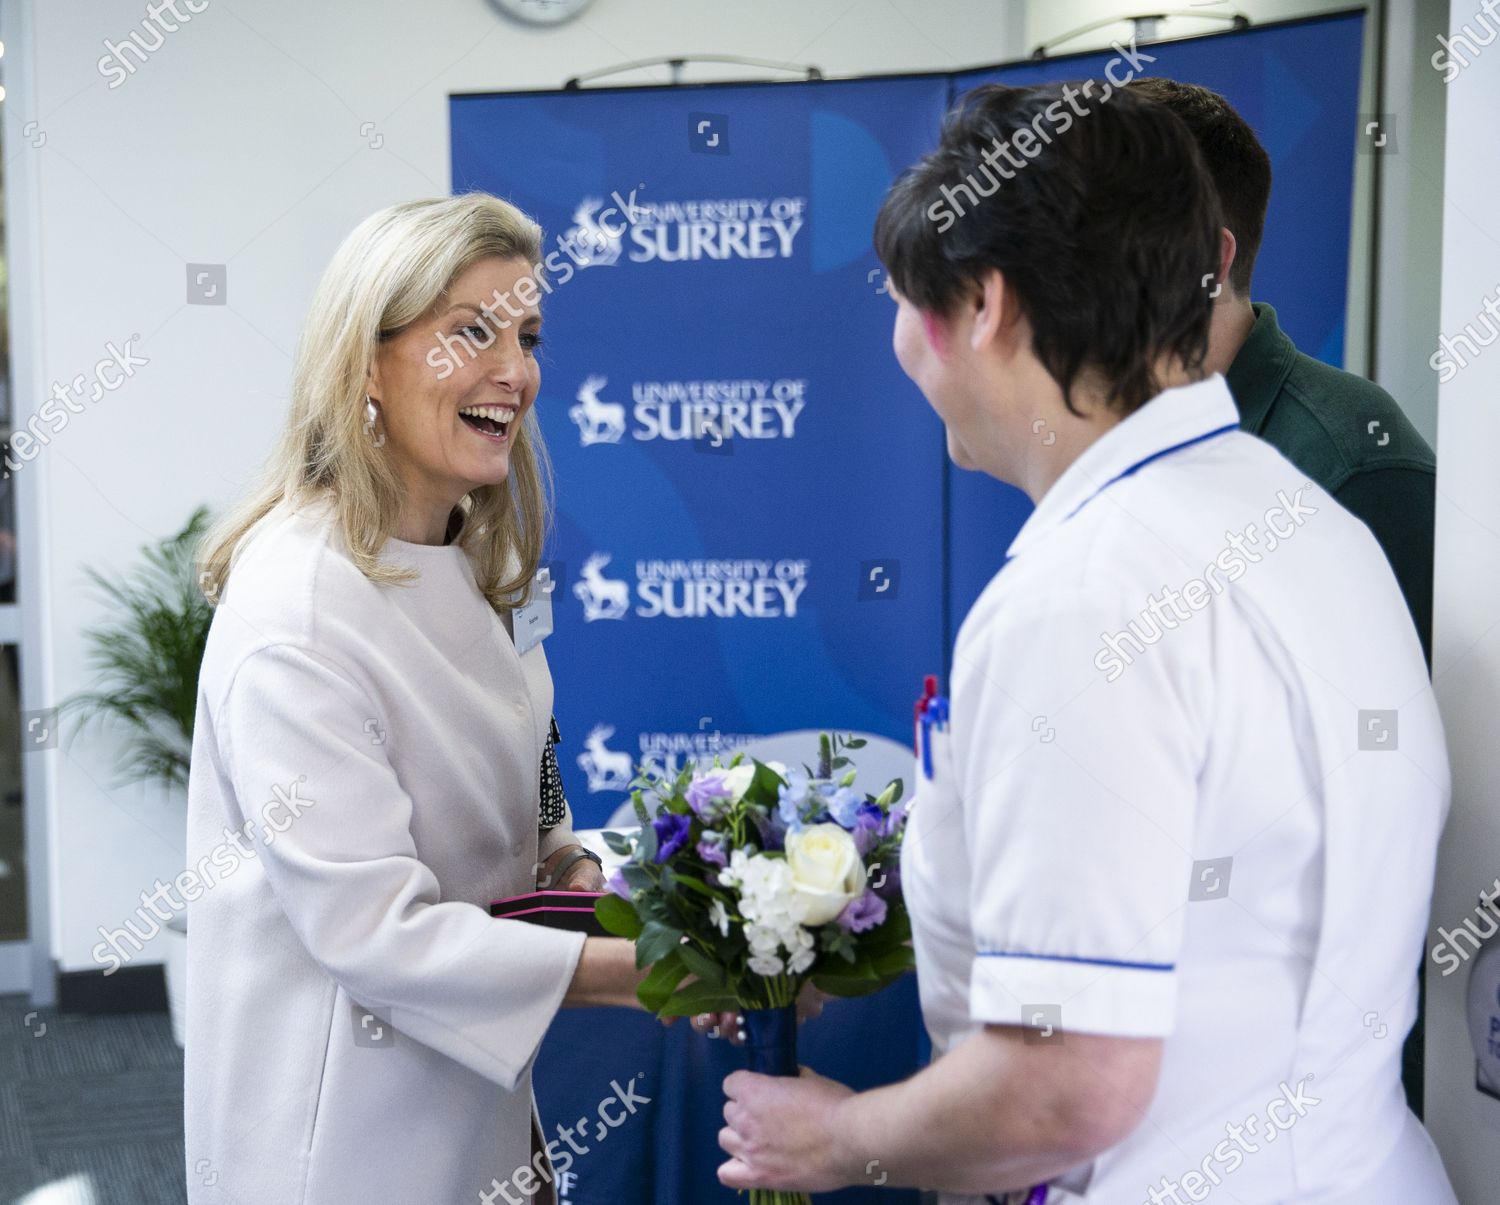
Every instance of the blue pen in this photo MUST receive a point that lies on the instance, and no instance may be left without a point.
(934, 714)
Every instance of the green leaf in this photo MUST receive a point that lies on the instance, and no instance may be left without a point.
(618, 843)
(701, 964)
(655, 942)
(838, 763)
(697, 885)
(665, 975)
(639, 805)
(699, 997)
(765, 780)
(894, 962)
(848, 985)
(646, 847)
(855, 742)
(617, 916)
(637, 878)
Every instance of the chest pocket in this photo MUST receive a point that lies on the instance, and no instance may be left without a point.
(934, 857)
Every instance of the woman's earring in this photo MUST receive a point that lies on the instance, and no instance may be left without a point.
(370, 415)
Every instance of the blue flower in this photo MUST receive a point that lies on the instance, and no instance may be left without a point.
(671, 834)
(792, 795)
(844, 805)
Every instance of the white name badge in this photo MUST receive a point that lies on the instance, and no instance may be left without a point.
(532, 623)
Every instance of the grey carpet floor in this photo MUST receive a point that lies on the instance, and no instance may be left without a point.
(90, 1108)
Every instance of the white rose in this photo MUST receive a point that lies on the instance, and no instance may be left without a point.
(737, 780)
(826, 871)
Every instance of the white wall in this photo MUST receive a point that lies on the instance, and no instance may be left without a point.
(239, 142)
(1466, 621)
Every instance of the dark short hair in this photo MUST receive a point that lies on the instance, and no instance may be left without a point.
(1239, 165)
(1105, 234)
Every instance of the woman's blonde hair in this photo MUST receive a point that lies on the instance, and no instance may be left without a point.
(390, 271)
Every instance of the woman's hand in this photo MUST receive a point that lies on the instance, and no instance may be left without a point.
(730, 1026)
(581, 875)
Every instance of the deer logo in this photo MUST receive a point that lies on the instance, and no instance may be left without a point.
(590, 244)
(599, 422)
(602, 597)
(607, 770)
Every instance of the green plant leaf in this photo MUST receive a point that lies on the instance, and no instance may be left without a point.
(666, 974)
(656, 941)
(618, 843)
(617, 916)
(699, 997)
(701, 964)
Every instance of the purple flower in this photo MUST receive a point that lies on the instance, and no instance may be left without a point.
(711, 849)
(671, 833)
(616, 883)
(861, 914)
(894, 820)
(866, 831)
(888, 881)
(705, 791)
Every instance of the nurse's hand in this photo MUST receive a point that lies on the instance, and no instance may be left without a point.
(783, 1133)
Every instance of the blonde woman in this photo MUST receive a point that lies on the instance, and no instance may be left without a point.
(369, 744)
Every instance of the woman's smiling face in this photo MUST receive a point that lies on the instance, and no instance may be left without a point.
(454, 359)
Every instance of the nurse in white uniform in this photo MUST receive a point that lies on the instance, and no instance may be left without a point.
(1170, 857)
(370, 752)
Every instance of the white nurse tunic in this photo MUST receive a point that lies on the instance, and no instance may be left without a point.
(365, 778)
(1192, 789)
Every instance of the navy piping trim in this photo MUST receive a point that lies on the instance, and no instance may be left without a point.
(1140, 464)
(1093, 962)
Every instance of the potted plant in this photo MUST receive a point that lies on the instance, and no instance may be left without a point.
(148, 657)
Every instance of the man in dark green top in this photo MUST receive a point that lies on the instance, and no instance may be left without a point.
(1344, 432)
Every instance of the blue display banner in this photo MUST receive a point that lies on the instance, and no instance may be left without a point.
(1298, 87)
(749, 489)
(758, 527)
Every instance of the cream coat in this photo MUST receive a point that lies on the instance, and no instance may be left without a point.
(364, 780)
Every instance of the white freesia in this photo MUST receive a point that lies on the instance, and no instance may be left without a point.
(769, 904)
(719, 915)
(826, 871)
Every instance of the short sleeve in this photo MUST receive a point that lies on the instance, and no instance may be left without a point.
(331, 828)
(1078, 798)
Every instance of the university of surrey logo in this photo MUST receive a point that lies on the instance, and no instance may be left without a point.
(599, 422)
(592, 245)
(607, 769)
(602, 597)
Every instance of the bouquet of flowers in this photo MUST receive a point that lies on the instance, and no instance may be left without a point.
(754, 879)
